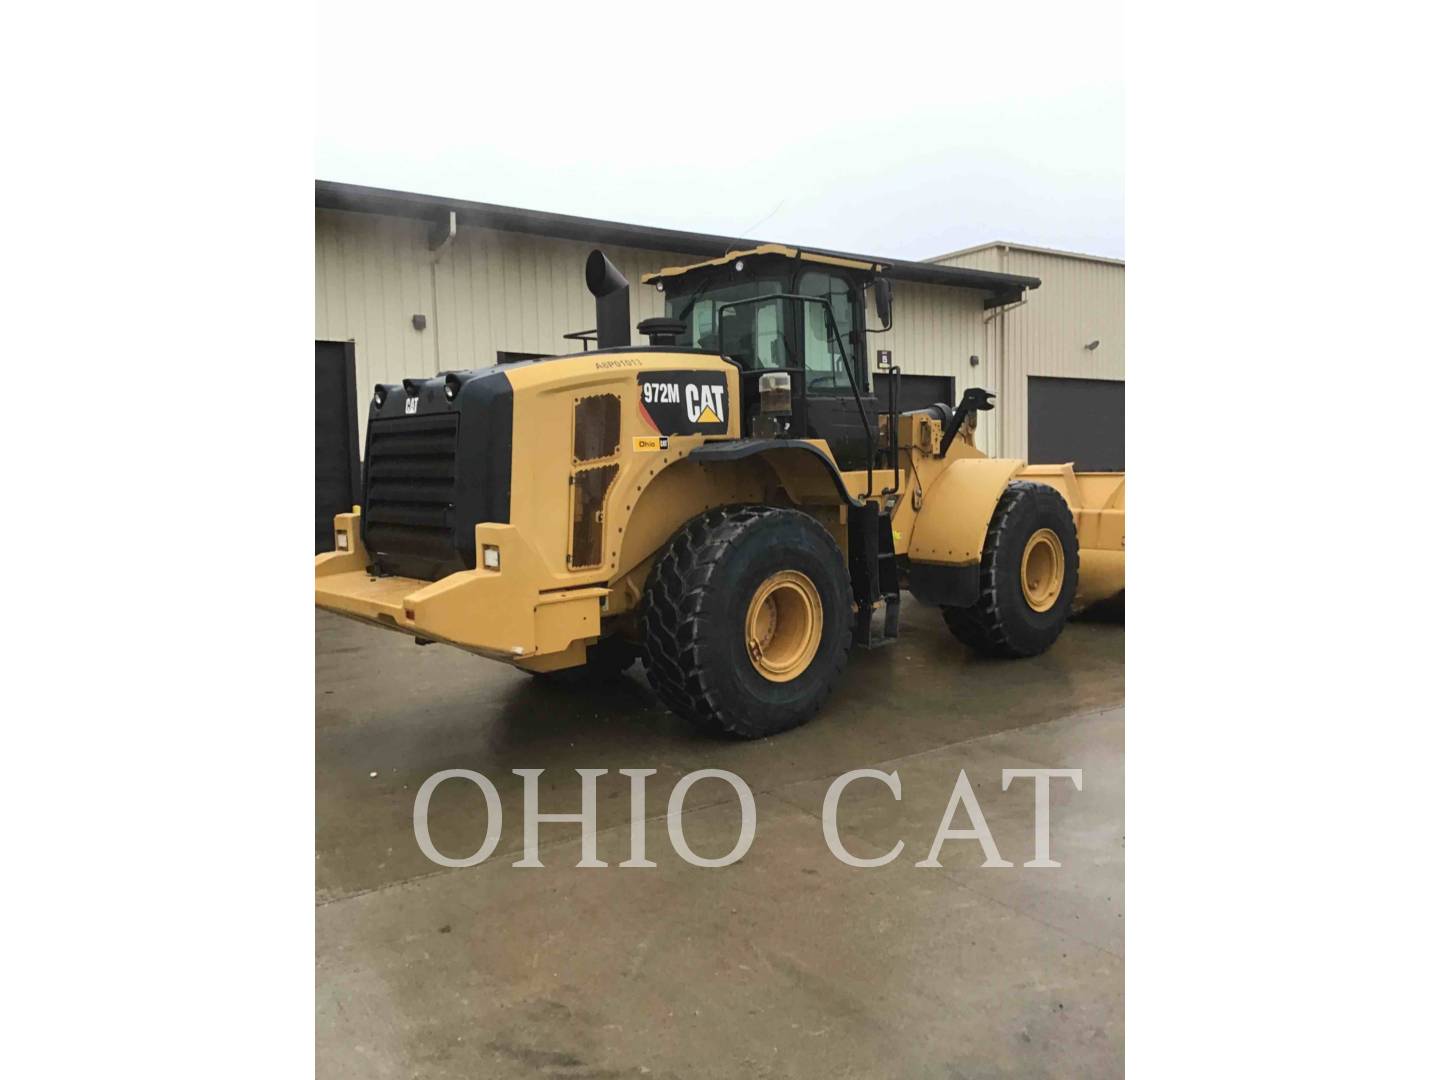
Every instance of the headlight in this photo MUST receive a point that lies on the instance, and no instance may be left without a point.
(775, 393)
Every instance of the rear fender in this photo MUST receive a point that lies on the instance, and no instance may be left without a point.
(674, 495)
(773, 472)
(807, 473)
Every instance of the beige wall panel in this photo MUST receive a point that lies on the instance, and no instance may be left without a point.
(511, 292)
(494, 291)
(372, 275)
(937, 330)
(1081, 300)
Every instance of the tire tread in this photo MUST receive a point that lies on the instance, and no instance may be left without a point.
(983, 625)
(681, 583)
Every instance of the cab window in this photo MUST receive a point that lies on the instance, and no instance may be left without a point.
(754, 334)
(824, 368)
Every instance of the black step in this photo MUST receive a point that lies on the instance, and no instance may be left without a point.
(873, 569)
(865, 636)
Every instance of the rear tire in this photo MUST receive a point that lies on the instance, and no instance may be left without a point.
(1028, 574)
(748, 620)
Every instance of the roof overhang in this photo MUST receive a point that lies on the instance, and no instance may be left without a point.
(330, 195)
(1006, 245)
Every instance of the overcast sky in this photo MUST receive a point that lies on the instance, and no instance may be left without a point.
(888, 129)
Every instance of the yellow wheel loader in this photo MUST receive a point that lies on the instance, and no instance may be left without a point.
(738, 503)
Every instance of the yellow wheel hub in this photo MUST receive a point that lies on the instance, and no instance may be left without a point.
(1042, 570)
(783, 625)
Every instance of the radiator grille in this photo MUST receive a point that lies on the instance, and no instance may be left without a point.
(587, 515)
(597, 427)
(410, 490)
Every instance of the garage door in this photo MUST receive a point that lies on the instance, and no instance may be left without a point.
(1079, 420)
(337, 443)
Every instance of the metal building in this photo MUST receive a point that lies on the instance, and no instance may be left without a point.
(409, 285)
(1060, 355)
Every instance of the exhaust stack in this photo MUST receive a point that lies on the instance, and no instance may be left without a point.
(612, 301)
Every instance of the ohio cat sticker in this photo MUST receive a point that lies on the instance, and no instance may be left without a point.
(685, 402)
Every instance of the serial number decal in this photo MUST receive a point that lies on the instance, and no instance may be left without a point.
(620, 362)
(685, 402)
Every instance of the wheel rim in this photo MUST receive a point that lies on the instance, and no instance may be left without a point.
(783, 625)
(1042, 570)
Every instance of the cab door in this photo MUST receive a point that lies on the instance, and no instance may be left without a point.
(830, 410)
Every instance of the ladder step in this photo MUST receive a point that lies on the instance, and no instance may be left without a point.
(880, 582)
(865, 636)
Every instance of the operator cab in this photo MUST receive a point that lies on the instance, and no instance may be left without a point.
(779, 309)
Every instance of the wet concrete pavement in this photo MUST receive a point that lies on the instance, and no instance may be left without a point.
(788, 963)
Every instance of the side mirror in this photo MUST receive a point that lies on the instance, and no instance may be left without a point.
(884, 302)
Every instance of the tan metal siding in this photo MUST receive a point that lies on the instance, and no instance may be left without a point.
(371, 276)
(495, 290)
(490, 291)
(1081, 300)
(937, 329)
(513, 292)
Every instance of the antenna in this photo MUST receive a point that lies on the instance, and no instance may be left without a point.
(757, 224)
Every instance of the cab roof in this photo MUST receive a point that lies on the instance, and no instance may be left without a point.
(1003, 288)
(768, 249)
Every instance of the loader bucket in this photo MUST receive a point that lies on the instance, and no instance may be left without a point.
(1098, 502)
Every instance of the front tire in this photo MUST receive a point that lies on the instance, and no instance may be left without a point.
(748, 620)
(1028, 574)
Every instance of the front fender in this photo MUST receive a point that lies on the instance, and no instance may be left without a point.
(956, 508)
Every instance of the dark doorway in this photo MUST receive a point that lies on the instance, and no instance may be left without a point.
(337, 439)
(917, 391)
(1079, 420)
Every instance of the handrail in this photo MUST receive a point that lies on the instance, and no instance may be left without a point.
(894, 371)
(585, 337)
(833, 328)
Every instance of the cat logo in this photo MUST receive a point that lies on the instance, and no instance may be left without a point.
(684, 402)
(705, 404)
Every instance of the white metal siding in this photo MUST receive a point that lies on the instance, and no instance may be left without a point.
(1080, 300)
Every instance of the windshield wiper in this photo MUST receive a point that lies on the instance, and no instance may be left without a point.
(684, 315)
